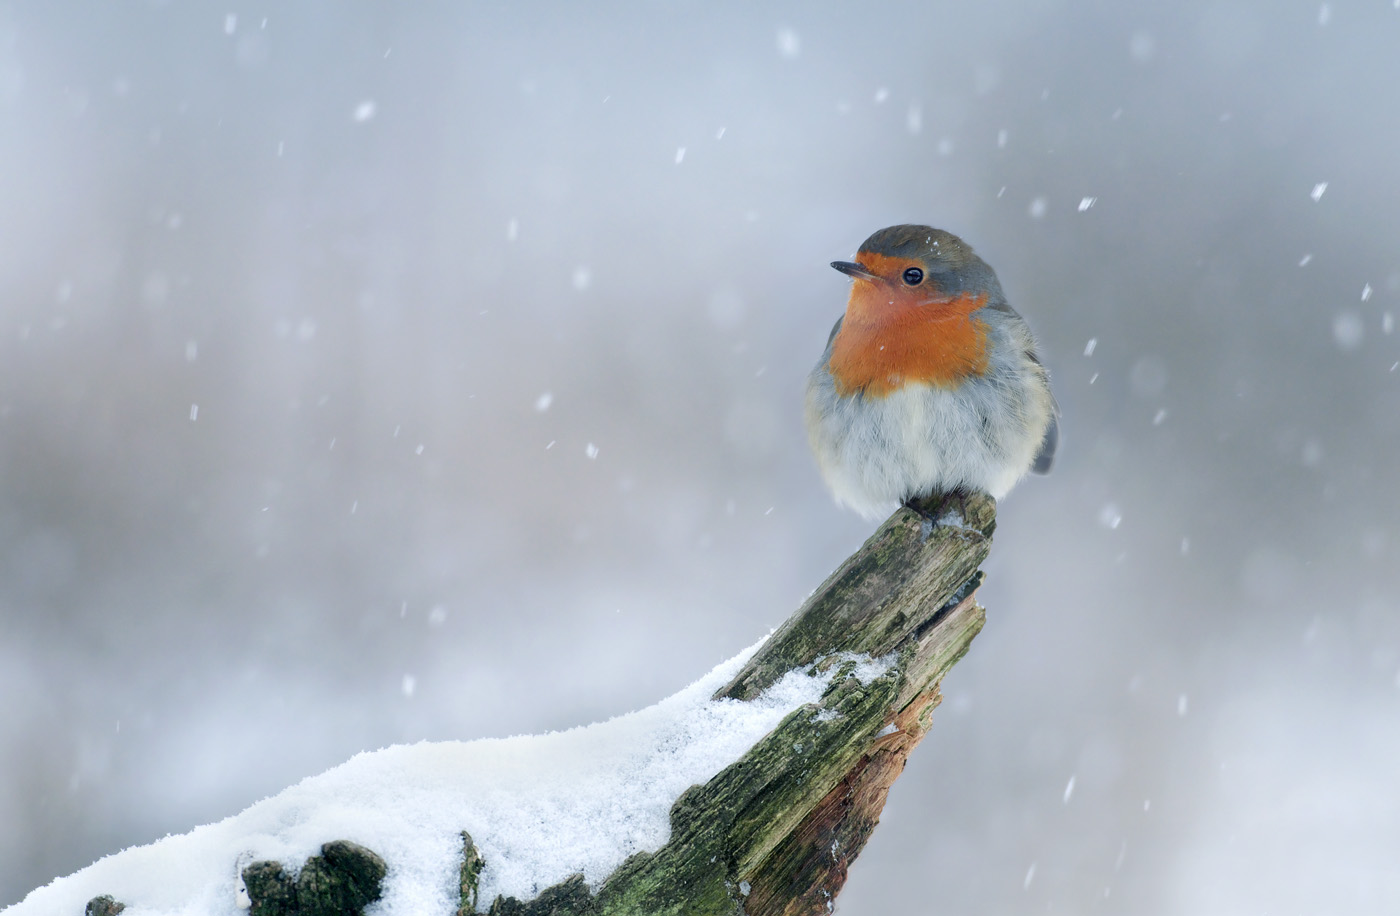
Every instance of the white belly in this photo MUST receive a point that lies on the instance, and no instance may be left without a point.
(878, 452)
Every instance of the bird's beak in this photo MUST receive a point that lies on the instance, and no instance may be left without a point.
(852, 269)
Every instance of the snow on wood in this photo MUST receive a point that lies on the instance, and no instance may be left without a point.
(539, 808)
(757, 785)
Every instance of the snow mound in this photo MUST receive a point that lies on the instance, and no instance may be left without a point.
(539, 808)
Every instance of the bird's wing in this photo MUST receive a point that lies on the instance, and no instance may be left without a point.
(1045, 458)
(999, 304)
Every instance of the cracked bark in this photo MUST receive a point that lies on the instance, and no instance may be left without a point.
(774, 833)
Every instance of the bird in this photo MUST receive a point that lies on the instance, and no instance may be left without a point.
(930, 383)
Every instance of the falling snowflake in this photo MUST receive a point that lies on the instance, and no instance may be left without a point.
(789, 44)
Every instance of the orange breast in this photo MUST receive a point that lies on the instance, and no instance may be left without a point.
(885, 344)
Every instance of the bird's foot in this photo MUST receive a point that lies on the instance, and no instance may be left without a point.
(958, 509)
(951, 505)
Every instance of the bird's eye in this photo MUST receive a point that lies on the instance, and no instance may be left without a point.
(913, 276)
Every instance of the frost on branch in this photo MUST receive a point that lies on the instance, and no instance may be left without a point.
(751, 791)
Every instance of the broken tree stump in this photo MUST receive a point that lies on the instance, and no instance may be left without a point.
(774, 833)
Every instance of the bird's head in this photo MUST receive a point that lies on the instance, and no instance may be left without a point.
(915, 314)
(905, 266)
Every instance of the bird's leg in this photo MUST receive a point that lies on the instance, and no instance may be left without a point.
(937, 506)
(956, 501)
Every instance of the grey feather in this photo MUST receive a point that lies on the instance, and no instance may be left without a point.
(1045, 458)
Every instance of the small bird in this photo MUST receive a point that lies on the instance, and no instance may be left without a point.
(930, 382)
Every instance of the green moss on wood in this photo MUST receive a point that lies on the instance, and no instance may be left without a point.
(896, 582)
(104, 905)
(907, 594)
(570, 897)
(773, 833)
(272, 890)
(344, 879)
(469, 876)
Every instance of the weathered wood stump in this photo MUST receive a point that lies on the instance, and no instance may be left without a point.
(773, 833)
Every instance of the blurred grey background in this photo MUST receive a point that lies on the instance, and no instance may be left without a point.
(374, 373)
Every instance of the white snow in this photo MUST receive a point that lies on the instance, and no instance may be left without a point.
(539, 808)
(1348, 329)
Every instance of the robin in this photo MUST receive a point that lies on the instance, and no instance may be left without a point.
(930, 382)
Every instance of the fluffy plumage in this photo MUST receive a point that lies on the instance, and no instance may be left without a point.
(930, 386)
